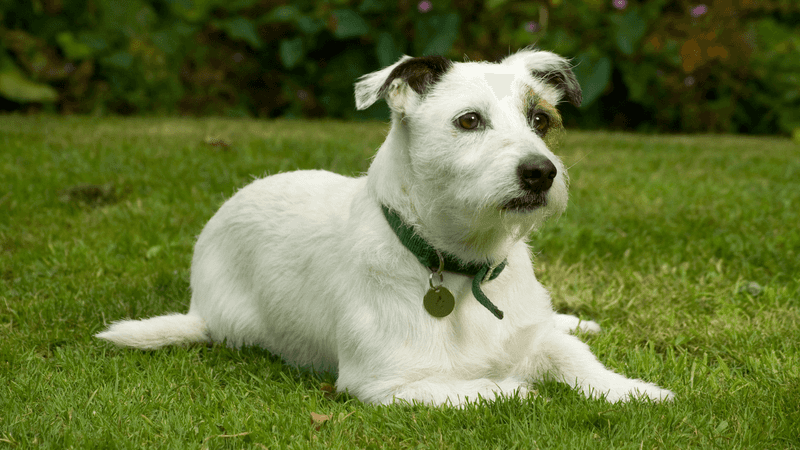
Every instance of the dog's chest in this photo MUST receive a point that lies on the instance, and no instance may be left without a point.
(470, 335)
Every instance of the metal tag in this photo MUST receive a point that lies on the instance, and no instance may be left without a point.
(439, 301)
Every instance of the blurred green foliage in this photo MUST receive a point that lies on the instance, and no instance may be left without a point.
(655, 65)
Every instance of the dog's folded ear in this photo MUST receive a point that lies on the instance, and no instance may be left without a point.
(399, 83)
(552, 69)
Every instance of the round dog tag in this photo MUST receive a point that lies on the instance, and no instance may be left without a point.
(439, 301)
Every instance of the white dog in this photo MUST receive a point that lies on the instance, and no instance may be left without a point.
(415, 282)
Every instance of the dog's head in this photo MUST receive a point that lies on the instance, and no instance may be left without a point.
(471, 143)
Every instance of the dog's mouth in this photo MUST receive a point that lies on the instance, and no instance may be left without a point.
(526, 203)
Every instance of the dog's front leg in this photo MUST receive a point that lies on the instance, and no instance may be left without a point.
(572, 362)
(433, 390)
(438, 391)
(406, 377)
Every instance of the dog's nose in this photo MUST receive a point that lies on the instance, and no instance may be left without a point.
(537, 173)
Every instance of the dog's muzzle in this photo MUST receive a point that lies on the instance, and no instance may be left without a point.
(535, 174)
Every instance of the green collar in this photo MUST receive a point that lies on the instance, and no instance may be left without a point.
(427, 255)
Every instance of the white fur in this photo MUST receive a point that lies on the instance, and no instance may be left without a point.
(157, 332)
(305, 265)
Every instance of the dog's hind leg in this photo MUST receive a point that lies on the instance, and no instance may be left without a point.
(572, 362)
(157, 332)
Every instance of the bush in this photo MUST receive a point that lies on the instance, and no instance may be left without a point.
(660, 65)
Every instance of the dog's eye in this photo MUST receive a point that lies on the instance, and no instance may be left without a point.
(540, 123)
(469, 121)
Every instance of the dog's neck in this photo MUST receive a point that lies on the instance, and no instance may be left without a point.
(432, 258)
(476, 237)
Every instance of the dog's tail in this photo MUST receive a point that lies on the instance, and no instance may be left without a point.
(157, 332)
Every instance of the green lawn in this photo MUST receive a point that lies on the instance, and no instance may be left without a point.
(684, 248)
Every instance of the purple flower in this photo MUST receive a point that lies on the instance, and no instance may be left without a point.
(688, 81)
(620, 4)
(698, 10)
(424, 6)
(532, 27)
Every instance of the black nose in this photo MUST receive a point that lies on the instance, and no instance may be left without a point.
(536, 173)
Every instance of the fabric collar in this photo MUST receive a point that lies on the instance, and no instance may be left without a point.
(428, 257)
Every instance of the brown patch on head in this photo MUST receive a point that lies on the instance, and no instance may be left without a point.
(535, 104)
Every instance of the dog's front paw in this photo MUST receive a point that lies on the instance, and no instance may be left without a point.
(572, 324)
(638, 390)
(589, 326)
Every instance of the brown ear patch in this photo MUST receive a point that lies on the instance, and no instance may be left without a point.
(564, 79)
(419, 73)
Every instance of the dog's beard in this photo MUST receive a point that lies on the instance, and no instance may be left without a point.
(485, 228)
(496, 228)
(527, 203)
(527, 213)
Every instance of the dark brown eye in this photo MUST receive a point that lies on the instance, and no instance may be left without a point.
(540, 123)
(469, 121)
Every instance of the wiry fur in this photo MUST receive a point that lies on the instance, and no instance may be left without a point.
(305, 265)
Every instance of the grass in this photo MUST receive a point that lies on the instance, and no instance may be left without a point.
(685, 249)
